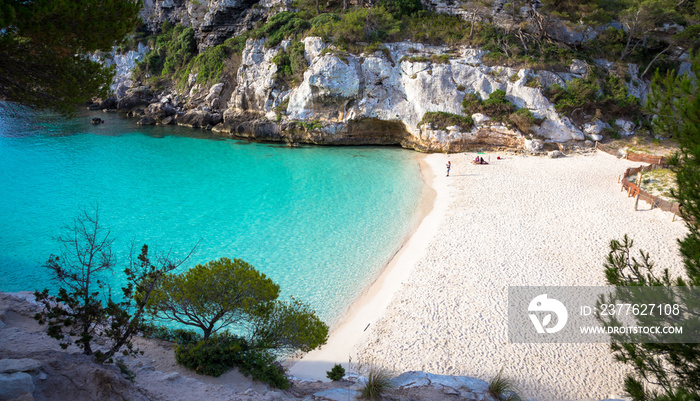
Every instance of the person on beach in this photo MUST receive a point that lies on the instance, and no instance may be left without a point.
(449, 165)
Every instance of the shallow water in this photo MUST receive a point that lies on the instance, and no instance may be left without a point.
(320, 221)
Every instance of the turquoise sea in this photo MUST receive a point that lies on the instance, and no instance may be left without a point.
(320, 221)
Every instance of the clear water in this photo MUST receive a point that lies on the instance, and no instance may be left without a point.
(320, 221)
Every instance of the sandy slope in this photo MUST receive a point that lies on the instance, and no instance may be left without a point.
(518, 221)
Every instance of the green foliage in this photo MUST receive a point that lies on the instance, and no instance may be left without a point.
(221, 352)
(523, 119)
(262, 366)
(336, 373)
(661, 370)
(378, 383)
(43, 46)
(471, 104)
(172, 51)
(128, 373)
(281, 26)
(289, 326)
(442, 120)
(82, 307)
(503, 389)
(587, 95)
(229, 293)
(178, 336)
(577, 93)
(291, 63)
(432, 28)
(401, 8)
(496, 106)
(533, 82)
(213, 356)
(368, 25)
(212, 296)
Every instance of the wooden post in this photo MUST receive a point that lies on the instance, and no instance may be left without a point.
(636, 201)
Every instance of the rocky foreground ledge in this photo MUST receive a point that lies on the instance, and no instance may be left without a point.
(34, 367)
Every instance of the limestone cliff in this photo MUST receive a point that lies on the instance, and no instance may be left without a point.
(351, 99)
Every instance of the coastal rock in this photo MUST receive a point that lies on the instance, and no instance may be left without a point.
(136, 97)
(18, 365)
(313, 46)
(256, 78)
(213, 99)
(626, 127)
(578, 67)
(329, 84)
(146, 121)
(479, 118)
(446, 384)
(159, 111)
(15, 385)
(198, 119)
(109, 103)
(533, 145)
(431, 140)
(595, 128)
(337, 394)
(636, 86)
(555, 154)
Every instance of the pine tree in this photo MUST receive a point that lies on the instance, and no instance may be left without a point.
(668, 371)
(44, 46)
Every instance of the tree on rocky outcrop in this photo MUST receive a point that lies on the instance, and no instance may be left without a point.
(668, 371)
(44, 46)
(84, 307)
(227, 293)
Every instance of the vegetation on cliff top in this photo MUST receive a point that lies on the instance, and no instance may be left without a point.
(666, 371)
(630, 30)
(43, 47)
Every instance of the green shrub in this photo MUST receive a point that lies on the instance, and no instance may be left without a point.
(471, 104)
(368, 25)
(222, 352)
(442, 120)
(533, 82)
(128, 373)
(523, 119)
(577, 93)
(262, 366)
(496, 106)
(337, 373)
(178, 336)
(172, 51)
(291, 63)
(400, 8)
(503, 389)
(606, 93)
(281, 26)
(214, 356)
(378, 383)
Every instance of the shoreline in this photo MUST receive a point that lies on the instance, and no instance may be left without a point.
(519, 221)
(352, 327)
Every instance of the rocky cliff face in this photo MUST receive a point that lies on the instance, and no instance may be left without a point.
(386, 92)
(377, 98)
(213, 20)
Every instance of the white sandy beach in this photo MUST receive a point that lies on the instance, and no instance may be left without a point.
(441, 305)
